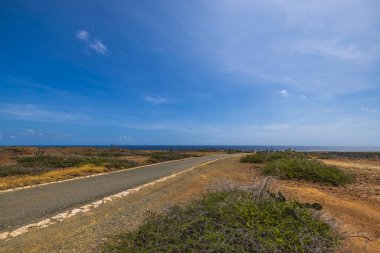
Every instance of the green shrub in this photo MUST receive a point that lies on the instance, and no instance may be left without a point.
(309, 170)
(254, 158)
(48, 161)
(261, 157)
(13, 170)
(230, 221)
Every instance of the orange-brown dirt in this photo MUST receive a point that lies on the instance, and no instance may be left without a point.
(355, 208)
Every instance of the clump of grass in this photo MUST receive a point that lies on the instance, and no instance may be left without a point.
(309, 170)
(231, 221)
(167, 156)
(261, 157)
(254, 158)
(49, 161)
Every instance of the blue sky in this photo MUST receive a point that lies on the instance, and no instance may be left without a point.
(261, 72)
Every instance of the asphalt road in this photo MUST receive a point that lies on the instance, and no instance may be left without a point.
(22, 207)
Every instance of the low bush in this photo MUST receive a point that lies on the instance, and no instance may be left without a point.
(167, 156)
(309, 170)
(261, 157)
(254, 158)
(13, 170)
(49, 161)
(231, 221)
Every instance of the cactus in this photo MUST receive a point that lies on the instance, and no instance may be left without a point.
(39, 152)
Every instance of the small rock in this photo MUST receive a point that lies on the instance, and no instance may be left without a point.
(19, 231)
(107, 199)
(31, 225)
(4, 235)
(86, 207)
(124, 193)
(117, 196)
(60, 216)
(96, 203)
(76, 211)
(44, 222)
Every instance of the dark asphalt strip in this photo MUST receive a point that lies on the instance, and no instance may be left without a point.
(22, 207)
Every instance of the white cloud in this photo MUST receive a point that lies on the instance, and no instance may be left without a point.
(83, 35)
(31, 133)
(284, 93)
(94, 44)
(98, 47)
(155, 100)
(330, 48)
(367, 109)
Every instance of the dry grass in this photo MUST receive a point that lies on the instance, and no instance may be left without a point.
(51, 176)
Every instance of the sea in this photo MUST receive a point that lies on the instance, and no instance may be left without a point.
(233, 147)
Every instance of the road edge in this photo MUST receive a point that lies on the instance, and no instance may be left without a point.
(83, 209)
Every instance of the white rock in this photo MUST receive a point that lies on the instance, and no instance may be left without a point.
(4, 235)
(117, 196)
(85, 210)
(76, 211)
(124, 193)
(86, 207)
(96, 203)
(107, 199)
(19, 231)
(31, 225)
(43, 222)
(60, 216)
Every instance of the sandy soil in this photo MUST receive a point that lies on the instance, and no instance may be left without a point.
(357, 216)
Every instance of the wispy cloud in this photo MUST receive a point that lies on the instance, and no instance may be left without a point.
(94, 44)
(33, 134)
(329, 48)
(83, 35)
(285, 93)
(98, 47)
(156, 100)
(341, 31)
(367, 109)
(35, 113)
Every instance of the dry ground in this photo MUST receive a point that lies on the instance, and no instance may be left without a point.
(86, 232)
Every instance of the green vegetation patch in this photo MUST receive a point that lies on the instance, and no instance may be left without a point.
(231, 221)
(264, 156)
(167, 156)
(309, 170)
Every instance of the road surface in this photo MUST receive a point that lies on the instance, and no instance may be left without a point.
(22, 207)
